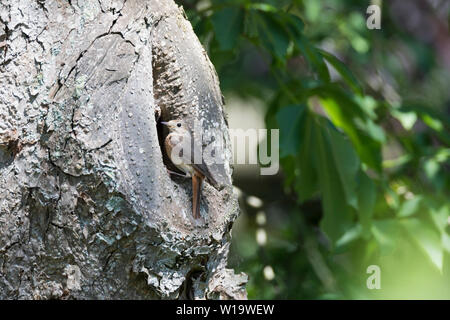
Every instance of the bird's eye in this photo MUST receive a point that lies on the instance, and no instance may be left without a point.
(178, 125)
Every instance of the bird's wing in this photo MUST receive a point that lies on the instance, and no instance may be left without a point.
(203, 169)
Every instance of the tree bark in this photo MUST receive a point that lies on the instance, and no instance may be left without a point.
(87, 208)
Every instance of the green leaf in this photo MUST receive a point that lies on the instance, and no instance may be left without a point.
(297, 146)
(294, 26)
(446, 241)
(366, 199)
(440, 216)
(272, 34)
(347, 165)
(325, 161)
(386, 233)
(427, 238)
(262, 7)
(289, 120)
(349, 236)
(407, 119)
(433, 123)
(342, 69)
(409, 207)
(314, 58)
(345, 114)
(289, 165)
(431, 168)
(228, 24)
(374, 131)
(307, 184)
(251, 24)
(312, 9)
(337, 217)
(438, 121)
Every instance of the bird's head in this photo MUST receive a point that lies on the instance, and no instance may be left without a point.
(174, 125)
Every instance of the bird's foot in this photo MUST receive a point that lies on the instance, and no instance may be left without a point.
(178, 174)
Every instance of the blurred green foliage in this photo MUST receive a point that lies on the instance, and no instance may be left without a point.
(364, 129)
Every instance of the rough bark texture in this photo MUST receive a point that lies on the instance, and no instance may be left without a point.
(87, 209)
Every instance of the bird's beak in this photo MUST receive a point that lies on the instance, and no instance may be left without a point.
(164, 123)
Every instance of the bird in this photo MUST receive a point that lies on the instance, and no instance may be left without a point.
(179, 132)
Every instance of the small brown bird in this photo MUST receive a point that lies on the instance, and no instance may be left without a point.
(178, 133)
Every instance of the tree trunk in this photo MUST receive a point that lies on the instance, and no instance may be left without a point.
(87, 208)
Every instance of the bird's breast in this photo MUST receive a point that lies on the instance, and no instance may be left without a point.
(171, 141)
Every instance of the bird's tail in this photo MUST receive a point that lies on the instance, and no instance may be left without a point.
(197, 181)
